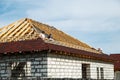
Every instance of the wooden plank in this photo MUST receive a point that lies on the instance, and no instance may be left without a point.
(15, 38)
(22, 30)
(17, 24)
(32, 25)
(25, 30)
(18, 29)
(5, 30)
(31, 32)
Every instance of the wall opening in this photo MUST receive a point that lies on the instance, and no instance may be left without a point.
(85, 71)
(102, 73)
(97, 72)
(20, 70)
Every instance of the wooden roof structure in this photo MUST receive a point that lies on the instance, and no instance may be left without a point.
(28, 29)
(22, 36)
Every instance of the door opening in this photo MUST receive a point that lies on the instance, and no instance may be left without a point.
(85, 71)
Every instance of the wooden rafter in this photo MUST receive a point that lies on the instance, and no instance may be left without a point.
(11, 30)
(27, 29)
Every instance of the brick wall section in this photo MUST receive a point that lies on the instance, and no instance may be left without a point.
(36, 65)
(51, 66)
(63, 67)
(60, 66)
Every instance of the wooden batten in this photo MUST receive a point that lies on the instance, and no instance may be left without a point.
(25, 29)
(13, 28)
(18, 29)
(21, 31)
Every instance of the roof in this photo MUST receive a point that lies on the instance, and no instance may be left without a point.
(40, 45)
(28, 29)
(116, 57)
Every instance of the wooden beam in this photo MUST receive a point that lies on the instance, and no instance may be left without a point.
(25, 31)
(5, 30)
(22, 30)
(32, 25)
(18, 29)
(17, 24)
(31, 32)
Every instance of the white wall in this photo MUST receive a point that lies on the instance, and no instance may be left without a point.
(63, 67)
(60, 66)
(108, 70)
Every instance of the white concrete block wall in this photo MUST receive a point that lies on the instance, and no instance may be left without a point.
(60, 66)
(35, 66)
(108, 70)
(63, 67)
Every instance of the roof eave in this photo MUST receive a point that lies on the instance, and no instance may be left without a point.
(39, 45)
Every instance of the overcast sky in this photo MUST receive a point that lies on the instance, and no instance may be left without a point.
(95, 22)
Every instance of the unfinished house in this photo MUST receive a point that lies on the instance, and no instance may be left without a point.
(33, 50)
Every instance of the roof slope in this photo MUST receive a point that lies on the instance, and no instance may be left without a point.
(28, 29)
(31, 46)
